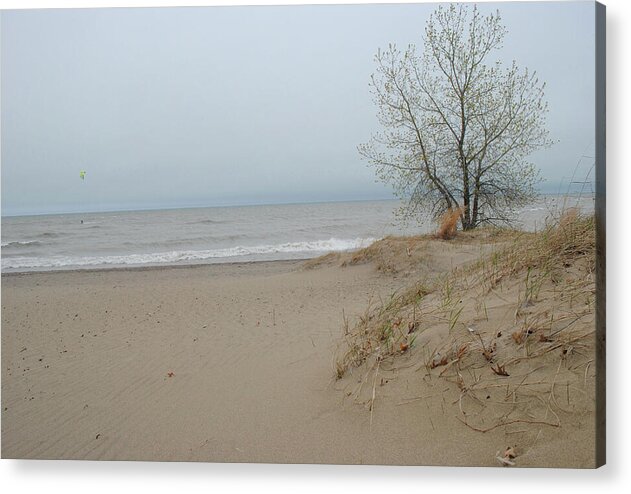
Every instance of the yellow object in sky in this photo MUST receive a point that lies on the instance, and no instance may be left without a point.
(82, 174)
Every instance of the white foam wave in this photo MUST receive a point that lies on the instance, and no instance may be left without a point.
(172, 257)
(19, 242)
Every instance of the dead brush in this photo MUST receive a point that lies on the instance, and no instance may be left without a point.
(500, 370)
(455, 355)
(461, 351)
(519, 336)
(437, 361)
(489, 352)
(448, 224)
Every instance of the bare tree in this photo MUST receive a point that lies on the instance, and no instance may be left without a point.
(457, 128)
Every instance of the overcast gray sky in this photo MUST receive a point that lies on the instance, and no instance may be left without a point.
(238, 105)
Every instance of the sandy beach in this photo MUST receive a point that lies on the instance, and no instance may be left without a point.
(87, 358)
(236, 363)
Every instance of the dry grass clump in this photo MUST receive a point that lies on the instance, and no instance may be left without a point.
(448, 224)
(386, 330)
(562, 242)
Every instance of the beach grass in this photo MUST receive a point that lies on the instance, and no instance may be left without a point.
(519, 318)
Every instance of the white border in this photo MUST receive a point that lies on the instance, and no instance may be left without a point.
(51, 477)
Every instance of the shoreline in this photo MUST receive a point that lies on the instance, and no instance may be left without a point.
(154, 267)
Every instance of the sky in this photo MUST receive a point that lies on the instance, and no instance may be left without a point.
(205, 106)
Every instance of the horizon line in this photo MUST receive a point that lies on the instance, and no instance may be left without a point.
(171, 208)
(234, 205)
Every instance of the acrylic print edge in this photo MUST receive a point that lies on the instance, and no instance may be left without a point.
(601, 245)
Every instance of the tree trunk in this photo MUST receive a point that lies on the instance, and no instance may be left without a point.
(466, 203)
(476, 201)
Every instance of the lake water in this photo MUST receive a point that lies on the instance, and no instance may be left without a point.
(218, 234)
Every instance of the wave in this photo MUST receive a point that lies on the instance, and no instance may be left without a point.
(20, 243)
(183, 241)
(172, 257)
(206, 222)
(48, 235)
